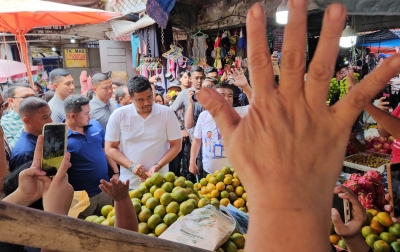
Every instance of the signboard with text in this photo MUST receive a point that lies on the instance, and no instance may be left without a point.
(75, 57)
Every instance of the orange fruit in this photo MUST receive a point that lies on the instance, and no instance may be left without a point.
(213, 180)
(228, 176)
(158, 192)
(334, 239)
(385, 219)
(376, 225)
(224, 202)
(239, 191)
(235, 182)
(208, 177)
(230, 188)
(203, 190)
(367, 230)
(214, 194)
(227, 180)
(381, 246)
(216, 173)
(220, 186)
(238, 203)
(210, 187)
(226, 170)
(373, 211)
(235, 175)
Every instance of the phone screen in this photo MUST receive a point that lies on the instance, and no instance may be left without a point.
(343, 207)
(395, 186)
(54, 147)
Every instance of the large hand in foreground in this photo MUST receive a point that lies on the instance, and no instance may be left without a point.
(289, 127)
(57, 196)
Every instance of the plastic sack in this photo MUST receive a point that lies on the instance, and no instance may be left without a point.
(242, 219)
(79, 203)
(206, 228)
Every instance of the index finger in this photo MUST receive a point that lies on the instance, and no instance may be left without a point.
(261, 72)
(37, 156)
(62, 171)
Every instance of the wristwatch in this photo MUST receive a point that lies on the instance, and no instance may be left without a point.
(182, 127)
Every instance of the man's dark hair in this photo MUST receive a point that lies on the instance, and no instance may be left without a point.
(210, 70)
(120, 92)
(184, 72)
(224, 85)
(162, 98)
(210, 79)
(99, 77)
(48, 95)
(30, 105)
(196, 69)
(13, 88)
(138, 84)
(90, 94)
(74, 103)
(58, 73)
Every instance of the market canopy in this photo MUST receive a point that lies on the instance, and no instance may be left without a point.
(384, 41)
(365, 7)
(20, 16)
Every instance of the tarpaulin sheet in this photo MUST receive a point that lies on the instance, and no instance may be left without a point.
(365, 7)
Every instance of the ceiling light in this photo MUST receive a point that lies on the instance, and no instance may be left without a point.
(53, 49)
(73, 40)
(348, 38)
(282, 13)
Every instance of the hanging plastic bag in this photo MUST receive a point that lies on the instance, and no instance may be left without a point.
(79, 203)
(206, 228)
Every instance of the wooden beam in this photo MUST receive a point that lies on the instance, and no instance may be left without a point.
(35, 228)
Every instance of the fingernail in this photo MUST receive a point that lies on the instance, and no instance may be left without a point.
(257, 11)
(335, 12)
(298, 3)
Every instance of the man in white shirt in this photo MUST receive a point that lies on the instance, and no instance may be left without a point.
(142, 137)
(208, 134)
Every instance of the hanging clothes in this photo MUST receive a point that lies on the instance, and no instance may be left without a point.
(135, 41)
(148, 46)
(199, 46)
(159, 10)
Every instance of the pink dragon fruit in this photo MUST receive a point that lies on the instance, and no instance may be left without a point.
(353, 186)
(366, 200)
(374, 176)
(365, 183)
(355, 177)
(380, 201)
(379, 189)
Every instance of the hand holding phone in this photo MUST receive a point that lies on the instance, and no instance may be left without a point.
(54, 147)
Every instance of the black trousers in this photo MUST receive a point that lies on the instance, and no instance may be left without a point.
(175, 164)
(186, 160)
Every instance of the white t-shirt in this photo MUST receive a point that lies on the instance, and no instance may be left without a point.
(143, 141)
(214, 157)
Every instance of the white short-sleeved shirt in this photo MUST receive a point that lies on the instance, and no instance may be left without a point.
(143, 141)
(214, 156)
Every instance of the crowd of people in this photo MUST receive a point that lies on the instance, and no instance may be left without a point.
(121, 135)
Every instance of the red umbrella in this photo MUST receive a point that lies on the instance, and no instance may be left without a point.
(20, 16)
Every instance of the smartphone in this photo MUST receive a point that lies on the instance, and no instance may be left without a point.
(55, 137)
(343, 206)
(393, 177)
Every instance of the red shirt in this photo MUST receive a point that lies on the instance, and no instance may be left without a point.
(396, 142)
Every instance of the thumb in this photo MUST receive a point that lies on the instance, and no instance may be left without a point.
(223, 113)
(337, 221)
(62, 171)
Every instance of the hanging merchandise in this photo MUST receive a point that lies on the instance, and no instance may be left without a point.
(149, 67)
(176, 61)
(199, 57)
(159, 10)
(135, 41)
(123, 27)
(148, 46)
(241, 44)
(278, 39)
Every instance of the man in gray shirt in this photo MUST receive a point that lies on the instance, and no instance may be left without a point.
(182, 102)
(63, 83)
(100, 106)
